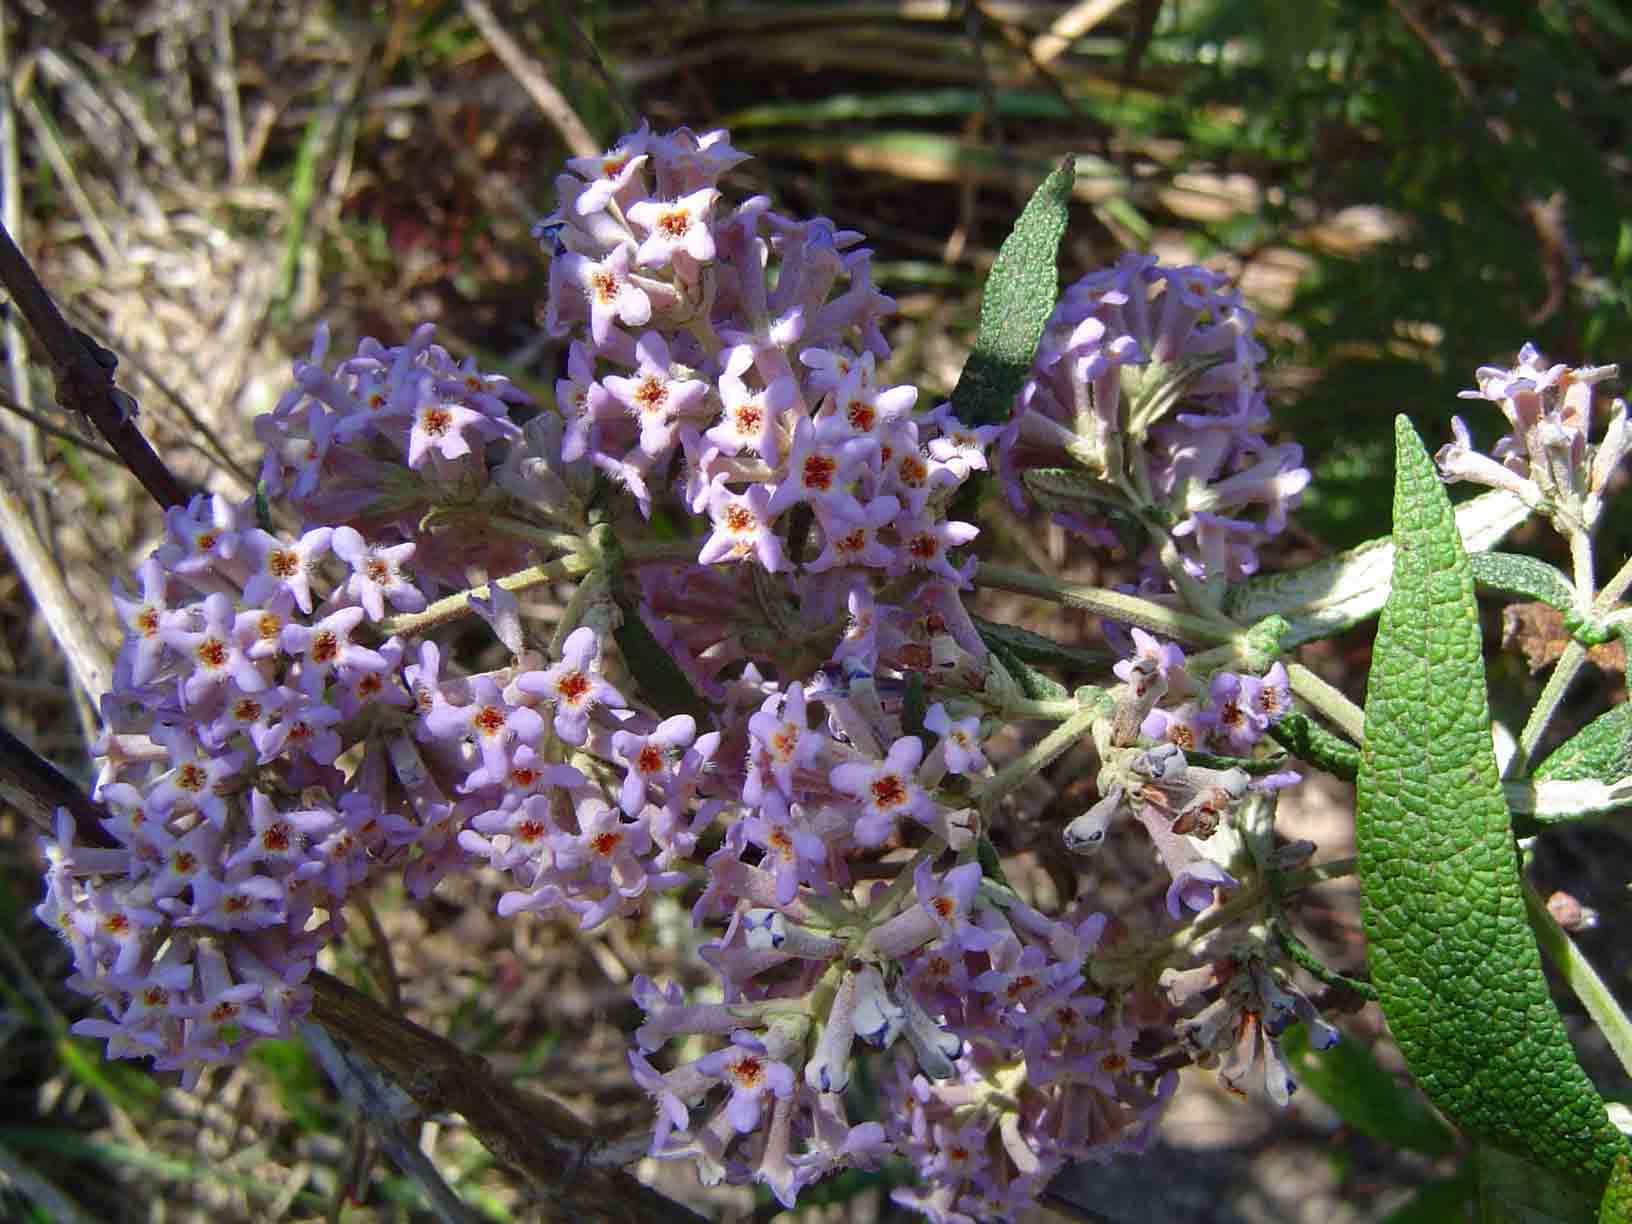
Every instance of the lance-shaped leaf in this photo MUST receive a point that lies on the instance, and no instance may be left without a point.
(1035, 648)
(1588, 775)
(1336, 594)
(1600, 752)
(1308, 740)
(1033, 684)
(1617, 1205)
(1449, 944)
(1018, 301)
(1515, 574)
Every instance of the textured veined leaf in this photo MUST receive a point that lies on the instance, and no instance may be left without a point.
(1451, 951)
(1016, 305)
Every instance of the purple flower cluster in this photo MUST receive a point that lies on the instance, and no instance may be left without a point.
(237, 694)
(1007, 1064)
(1546, 458)
(1146, 772)
(1146, 383)
(285, 726)
(1245, 1006)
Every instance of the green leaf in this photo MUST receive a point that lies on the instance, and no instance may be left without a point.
(1338, 593)
(1033, 684)
(1450, 946)
(1018, 301)
(1587, 776)
(662, 681)
(1532, 578)
(1309, 741)
(1513, 1190)
(1599, 752)
(1035, 648)
(1616, 1207)
(1347, 1078)
(1439, 1201)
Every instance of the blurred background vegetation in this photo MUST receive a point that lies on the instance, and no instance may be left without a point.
(1405, 190)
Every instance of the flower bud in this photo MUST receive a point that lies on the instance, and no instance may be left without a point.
(1086, 834)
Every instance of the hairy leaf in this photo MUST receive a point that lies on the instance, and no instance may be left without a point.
(1018, 301)
(1450, 946)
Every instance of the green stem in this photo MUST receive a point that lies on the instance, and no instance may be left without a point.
(1581, 976)
(1615, 587)
(1241, 903)
(451, 607)
(1056, 710)
(544, 537)
(1322, 873)
(1328, 701)
(1113, 605)
(1038, 756)
(1564, 671)
(1581, 563)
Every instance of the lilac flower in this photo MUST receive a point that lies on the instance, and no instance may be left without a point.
(750, 1073)
(446, 427)
(886, 790)
(244, 902)
(377, 574)
(491, 721)
(657, 396)
(306, 728)
(144, 618)
(279, 836)
(866, 408)
(925, 543)
(673, 1114)
(650, 759)
(612, 292)
(857, 543)
(203, 535)
(583, 403)
(1269, 696)
(677, 226)
(197, 780)
(1155, 663)
(742, 528)
(669, 1015)
(819, 466)
(912, 476)
(325, 649)
(260, 629)
(612, 171)
(1236, 724)
(793, 853)
(572, 686)
(752, 419)
(1194, 885)
(962, 448)
(207, 639)
(283, 566)
(783, 742)
(948, 901)
(1186, 726)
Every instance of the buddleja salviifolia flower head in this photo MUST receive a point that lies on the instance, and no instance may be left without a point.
(287, 725)
(1546, 458)
(1145, 396)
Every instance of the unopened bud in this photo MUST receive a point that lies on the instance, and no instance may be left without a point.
(1086, 834)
